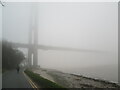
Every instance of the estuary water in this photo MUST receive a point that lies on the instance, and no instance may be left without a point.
(102, 65)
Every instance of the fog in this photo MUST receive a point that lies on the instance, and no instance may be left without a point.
(92, 27)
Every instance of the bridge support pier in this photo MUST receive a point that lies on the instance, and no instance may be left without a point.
(29, 57)
(35, 57)
(32, 57)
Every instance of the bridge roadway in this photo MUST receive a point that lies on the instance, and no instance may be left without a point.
(45, 47)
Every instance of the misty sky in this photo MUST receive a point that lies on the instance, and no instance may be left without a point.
(64, 24)
(92, 26)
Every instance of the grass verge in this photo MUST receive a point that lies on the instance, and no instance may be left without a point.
(42, 82)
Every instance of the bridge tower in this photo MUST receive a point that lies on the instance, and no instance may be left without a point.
(33, 37)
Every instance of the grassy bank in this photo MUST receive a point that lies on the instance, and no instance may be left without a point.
(42, 82)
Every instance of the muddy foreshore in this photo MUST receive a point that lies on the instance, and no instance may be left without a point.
(74, 81)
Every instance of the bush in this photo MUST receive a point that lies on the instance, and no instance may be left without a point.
(11, 56)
